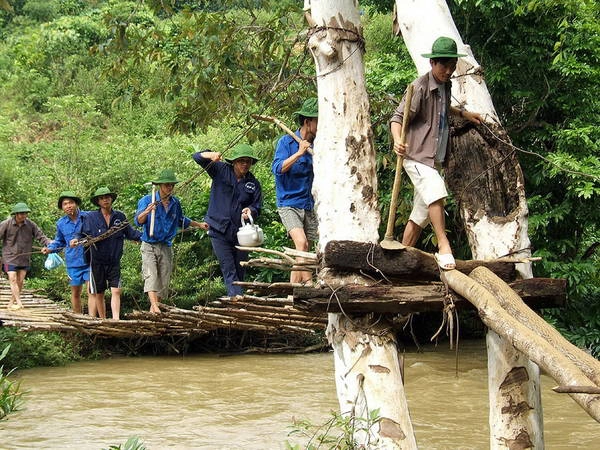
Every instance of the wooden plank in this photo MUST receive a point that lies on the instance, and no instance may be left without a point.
(535, 292)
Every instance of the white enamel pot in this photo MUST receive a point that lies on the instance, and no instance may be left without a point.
(249, 234)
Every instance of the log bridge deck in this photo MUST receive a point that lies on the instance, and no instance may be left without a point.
(291, 308)
(271, 316)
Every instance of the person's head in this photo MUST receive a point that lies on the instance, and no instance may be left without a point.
(20, 211)
(308, 118)
(103, 198)
(69, 203)
(242, 158)
(166, 182)
(443, 58)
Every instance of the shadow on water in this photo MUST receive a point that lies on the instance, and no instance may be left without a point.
(249, 401)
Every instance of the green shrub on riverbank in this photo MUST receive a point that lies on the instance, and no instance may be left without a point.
(10, 395)
(38, 349)
(109, 92)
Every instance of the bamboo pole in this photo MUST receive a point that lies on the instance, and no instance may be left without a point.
(153, 213)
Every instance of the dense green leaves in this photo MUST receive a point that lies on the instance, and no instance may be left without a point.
(100, 93)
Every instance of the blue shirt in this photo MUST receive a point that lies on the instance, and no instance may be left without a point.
(293, 188)
(107, 251)
(66, 230)
(228, 195)
(166, 221)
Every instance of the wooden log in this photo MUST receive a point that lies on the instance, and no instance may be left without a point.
(576, 389)
(512, 303)
(531, 344)
(536, 292)
(408, 264)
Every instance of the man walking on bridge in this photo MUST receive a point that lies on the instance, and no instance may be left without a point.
(104, 256)
(68, 227)
(293, 170)
(160, 214)
(17, 235)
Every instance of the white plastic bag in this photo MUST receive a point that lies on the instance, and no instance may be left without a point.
(53, 261)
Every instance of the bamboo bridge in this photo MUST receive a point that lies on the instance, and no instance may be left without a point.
(268, 315)
(285, 307)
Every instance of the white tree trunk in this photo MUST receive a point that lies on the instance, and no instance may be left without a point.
(345, 190)
(421, 22)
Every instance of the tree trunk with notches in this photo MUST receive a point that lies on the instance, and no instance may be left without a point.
(487, 182)
(367, 368)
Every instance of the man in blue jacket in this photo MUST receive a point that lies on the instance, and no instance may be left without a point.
(293, 170)
(68, 227)
(235, 193)
(160, 218)
(104, 256)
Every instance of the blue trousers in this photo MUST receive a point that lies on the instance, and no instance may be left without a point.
(229, 259)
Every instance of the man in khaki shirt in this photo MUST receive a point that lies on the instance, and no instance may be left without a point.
(17, 235)
(428, 142)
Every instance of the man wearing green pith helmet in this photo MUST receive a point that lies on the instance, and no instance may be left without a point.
(17, 235)
(428, 142)
(293, 170)
(68, 227)
(160, 215)
(235, 194)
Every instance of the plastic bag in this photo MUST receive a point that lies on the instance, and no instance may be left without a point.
(53, 261)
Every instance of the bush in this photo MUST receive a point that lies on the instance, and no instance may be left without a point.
(37, 349)
(10, 395)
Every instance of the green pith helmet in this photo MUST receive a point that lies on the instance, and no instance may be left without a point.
(241, 151)
(310, 108)
(20, 208)
(166, 176)
(443, 47)
(100, 192)
(68, 194)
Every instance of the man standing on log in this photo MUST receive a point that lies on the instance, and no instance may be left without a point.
(160, 214)
(104, 257)
(17, 235)
(68, 227)
(428, 143)
(293, 170)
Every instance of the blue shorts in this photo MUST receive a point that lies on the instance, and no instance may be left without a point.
(10, 268)
(78, 275)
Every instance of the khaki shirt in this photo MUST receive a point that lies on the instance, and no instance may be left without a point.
(423, 129)
(18, 239)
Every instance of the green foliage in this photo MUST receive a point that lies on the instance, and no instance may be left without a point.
(336, 433)
(210, 75)
(541, 59)
(97, 93)
(133, 443)
(37, 349)
(10, 394)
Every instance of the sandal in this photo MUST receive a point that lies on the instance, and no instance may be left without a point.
(445, 261)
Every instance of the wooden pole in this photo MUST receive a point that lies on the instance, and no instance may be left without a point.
(388, 242)
(281, 125)
(153, 213)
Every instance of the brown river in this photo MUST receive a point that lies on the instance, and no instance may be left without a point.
(249, 402)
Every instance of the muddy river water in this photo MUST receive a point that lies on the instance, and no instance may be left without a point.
(249, 402)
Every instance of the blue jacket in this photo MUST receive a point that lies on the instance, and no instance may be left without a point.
(66, 230)
(228, 196)
(166, 221)
(109, 250)
(293, 188)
